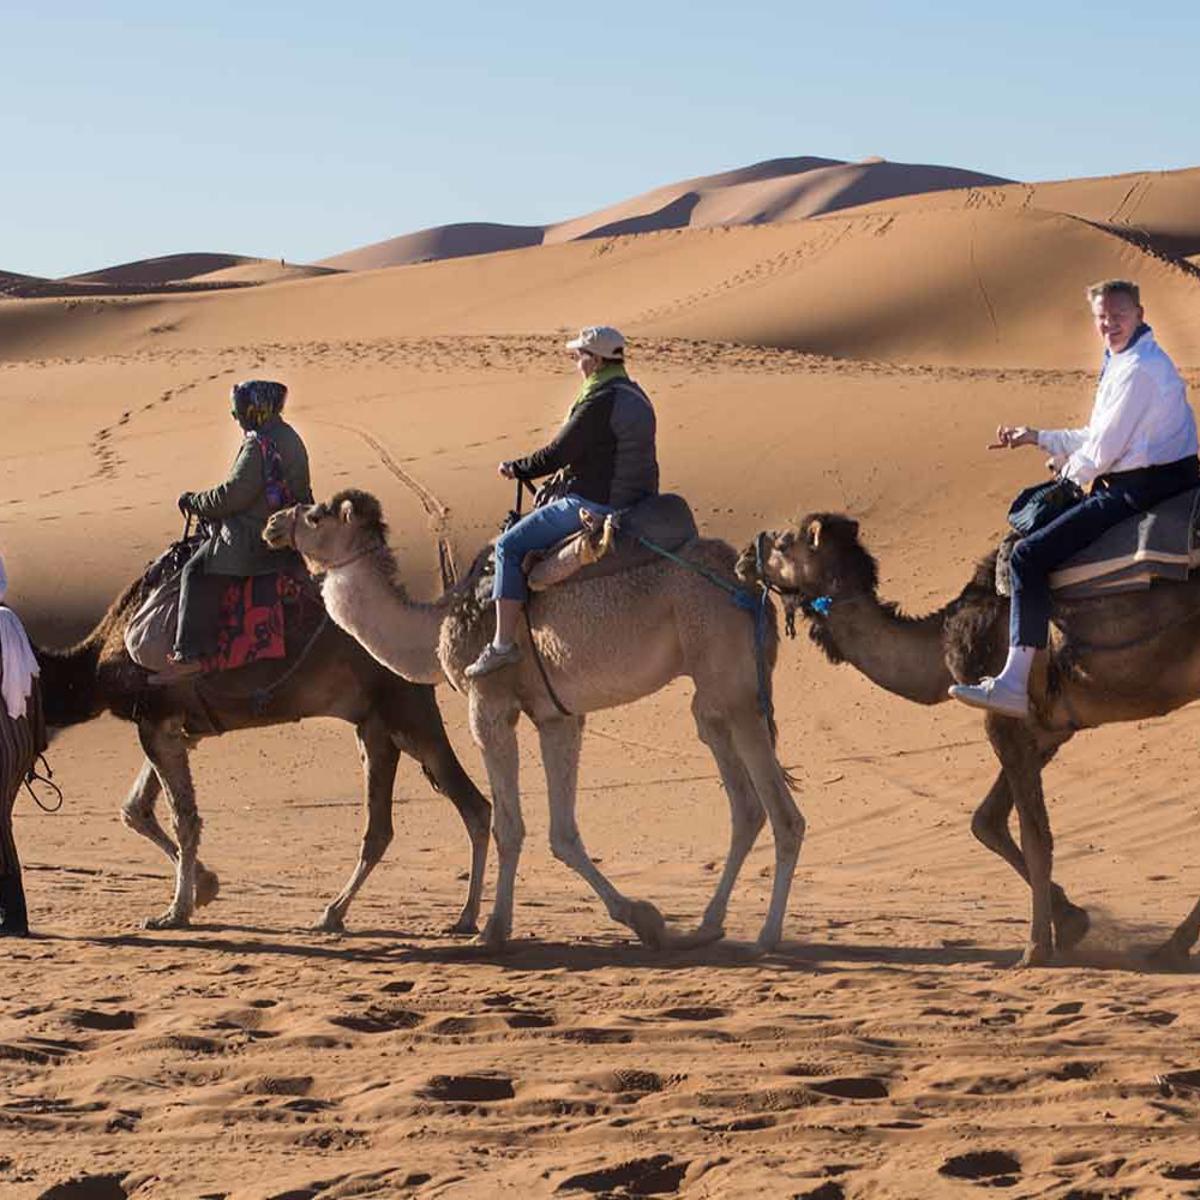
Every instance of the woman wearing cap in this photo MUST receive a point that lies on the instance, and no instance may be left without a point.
(269, 473)
(606, 460)
(22, 739)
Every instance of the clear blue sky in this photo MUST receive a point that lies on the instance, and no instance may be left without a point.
(132, 129)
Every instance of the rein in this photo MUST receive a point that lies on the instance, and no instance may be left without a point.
(757, 607)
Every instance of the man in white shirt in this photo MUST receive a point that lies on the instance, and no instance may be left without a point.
(1137, 449)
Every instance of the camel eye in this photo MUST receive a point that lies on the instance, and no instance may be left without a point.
(310, 518)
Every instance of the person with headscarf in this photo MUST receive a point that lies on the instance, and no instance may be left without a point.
(22, 739)
(270, 472)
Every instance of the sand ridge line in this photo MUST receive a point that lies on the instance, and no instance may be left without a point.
(523, 352)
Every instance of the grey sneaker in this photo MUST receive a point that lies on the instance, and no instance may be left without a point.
(992, 695)
(492, 659)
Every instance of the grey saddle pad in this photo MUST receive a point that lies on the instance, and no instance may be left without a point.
(1162, 543)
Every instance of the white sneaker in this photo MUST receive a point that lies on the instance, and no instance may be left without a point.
(994, 696)
(492, 659)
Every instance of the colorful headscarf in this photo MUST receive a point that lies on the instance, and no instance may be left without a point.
(256, 401)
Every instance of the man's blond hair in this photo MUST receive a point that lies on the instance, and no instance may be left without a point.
(1115, 287)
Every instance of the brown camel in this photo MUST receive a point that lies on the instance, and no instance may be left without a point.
(326, 675)
(604, 642)
(1119, 658)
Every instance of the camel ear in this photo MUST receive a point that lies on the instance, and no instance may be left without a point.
(346, 511)
(853, 527)
(814, 533)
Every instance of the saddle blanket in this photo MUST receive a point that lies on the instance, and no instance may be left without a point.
(251, 627)
(1163, 543)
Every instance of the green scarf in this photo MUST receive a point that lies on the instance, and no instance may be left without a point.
(614, 370)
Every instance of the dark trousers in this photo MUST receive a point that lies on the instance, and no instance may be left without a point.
(1114, 498)
(199, 609)
(20, 743)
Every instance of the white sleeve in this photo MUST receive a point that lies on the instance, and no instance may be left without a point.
(1060, 444)
(1108, 436)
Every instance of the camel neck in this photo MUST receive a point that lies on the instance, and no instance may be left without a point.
(904, 655)
(363, 600)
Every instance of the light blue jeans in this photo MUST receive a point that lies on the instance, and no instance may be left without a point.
(541, 529)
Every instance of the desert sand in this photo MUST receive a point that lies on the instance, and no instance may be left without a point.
(857, 362)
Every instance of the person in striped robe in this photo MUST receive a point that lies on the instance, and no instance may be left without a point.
(22, 739)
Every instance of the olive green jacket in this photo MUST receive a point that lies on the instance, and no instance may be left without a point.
(239, 508)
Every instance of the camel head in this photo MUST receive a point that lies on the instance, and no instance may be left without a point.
(328, 535)
(812, 565)
(819, 556)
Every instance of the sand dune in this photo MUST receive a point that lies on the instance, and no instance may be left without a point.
(443, 241)
(261, 270)
(168, 268)
(1160, 208)
(958, 287)
(781, 189)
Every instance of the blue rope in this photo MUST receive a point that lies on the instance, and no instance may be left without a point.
(756, 606)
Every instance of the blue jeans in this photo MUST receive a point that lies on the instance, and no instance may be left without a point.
(1114, 497)
(541, 529)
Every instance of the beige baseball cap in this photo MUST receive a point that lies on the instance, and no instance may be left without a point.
(601, 340)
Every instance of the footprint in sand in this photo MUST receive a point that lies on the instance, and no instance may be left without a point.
(378, 1020)
(696, 1012)
(87, 1187)
(468, 1088)
(657, 1175)
(990, 1166)
(852, 1088)
(89, 1018)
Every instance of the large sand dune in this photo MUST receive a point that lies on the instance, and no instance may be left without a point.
(886, 1050)
(948, 286)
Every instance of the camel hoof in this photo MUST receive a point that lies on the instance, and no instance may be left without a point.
(330, 922)
(1071, 928)
(464, 926)
(1169, 957)
(493, 938)
(1034, 956)
(208, 886)
(647, 922)
(169, 920)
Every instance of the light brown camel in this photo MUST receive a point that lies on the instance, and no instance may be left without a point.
(1119, 658)
(333, 678)
(604, 642)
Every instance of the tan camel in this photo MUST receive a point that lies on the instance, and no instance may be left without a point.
(332, 678)
(1120, 658)
(604, 642)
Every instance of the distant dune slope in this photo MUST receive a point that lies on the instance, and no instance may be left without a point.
(443, 241)
(10, 279)
(973, 287)
(169, 268)
(1160, 207)
(261, 270)
(780, 189)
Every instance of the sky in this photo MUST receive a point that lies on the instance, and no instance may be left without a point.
(298, 130)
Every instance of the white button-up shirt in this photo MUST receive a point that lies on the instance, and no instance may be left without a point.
(1141, 417)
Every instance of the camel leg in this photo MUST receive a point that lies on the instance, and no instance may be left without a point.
(379, 756)
(495, 733)
(1175, 953)
(445, 772)
(990, 825)
(561, 739)
(746, 816)
(752, 740)
(1017, 752)
(166, 749)
(138, 814)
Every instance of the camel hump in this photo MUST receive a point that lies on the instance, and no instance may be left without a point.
(617, 544)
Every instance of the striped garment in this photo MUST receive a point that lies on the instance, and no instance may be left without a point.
(21, 741)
